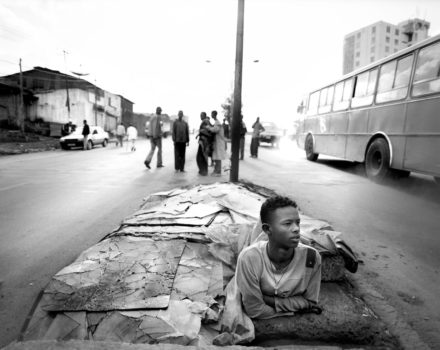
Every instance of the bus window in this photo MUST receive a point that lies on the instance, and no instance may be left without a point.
(313, 103)
(426, 78)
(343, 91)
(325, 100)
(364, 91)
(394, 79)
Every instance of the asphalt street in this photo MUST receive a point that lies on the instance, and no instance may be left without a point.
(53, 205)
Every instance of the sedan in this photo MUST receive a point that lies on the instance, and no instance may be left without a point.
(97, 136)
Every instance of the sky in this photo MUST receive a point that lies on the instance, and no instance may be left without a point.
(180, 54)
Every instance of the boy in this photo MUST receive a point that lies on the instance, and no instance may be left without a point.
(280, 276)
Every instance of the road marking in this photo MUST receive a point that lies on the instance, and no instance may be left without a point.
(13, 186)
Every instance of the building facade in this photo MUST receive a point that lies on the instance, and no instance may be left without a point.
(60, 97)
(379, 40)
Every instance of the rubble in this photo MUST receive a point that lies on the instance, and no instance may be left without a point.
(161, 277)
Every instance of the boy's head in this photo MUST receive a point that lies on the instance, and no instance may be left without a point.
(280, 220)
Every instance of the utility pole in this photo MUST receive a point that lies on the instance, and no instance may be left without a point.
(96, 104)
(67, 87)
(21, 113)
(236, 104)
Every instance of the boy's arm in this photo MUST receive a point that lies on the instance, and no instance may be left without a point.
(309, 298)
(248, 282)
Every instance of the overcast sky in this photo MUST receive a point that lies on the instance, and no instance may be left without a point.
(154, 52)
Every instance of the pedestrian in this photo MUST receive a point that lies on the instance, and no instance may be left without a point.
(226, 128)
(243, 132)
(219, 150)
(120, 134)
(255, 142)
(181, 141)
(132, 135)
(204, 137)
(155, 131)
(85, 133)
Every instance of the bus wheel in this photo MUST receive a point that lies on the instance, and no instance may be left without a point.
(377, 161)
(310, 154)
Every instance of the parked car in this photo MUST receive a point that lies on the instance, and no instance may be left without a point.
(97, 136)
(271, 134)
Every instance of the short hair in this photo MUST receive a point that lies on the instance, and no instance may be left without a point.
(273, 203)
(214, 113)
(158, 109)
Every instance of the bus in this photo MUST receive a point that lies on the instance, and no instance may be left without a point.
(385, 115)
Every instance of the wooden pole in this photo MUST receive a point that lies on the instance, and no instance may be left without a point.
(236, 103)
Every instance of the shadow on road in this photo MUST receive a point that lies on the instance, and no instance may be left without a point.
(417, 185)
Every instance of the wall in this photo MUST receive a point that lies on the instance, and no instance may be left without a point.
(51, 107)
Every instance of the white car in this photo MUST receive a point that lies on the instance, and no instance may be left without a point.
(97, 136)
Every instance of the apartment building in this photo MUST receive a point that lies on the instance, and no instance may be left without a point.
(379, 40)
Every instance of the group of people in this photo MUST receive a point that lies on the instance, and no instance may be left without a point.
(131, 134)
(212, 141)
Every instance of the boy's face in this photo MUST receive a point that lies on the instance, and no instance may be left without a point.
(283, 228)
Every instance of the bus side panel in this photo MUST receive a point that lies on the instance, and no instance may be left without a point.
(331, 141)
(357, 137)
(311, 124)
(422, 151)
(390, 119)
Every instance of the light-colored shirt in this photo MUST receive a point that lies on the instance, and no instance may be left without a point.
(156, 126)
(292, 289)
(132, 133)
(120, 130)
(257, 129)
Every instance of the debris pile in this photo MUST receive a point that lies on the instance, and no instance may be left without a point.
(161, 276)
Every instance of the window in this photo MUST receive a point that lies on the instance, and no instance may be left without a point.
(373, 40)
(396, 31)
(388, 29)
(395, 50)
(358, 54)
(357, 64)
(372, 59)
(373, 49)
(427, 75)
(396, 42)
(373, 30)
(394, 80)
(364, 88)
(313, 103)
(387, 39)
(325, 100)
(343, 92)
(358, 35)
(387, 49)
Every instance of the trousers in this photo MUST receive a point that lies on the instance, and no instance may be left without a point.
(155, 142)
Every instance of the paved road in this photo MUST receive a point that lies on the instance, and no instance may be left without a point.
(53, 205)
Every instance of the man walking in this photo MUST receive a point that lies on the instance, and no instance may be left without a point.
(255, 142)
(181, 141)
(85, 133)
(219, 152)
(156, 139)
(120, 133)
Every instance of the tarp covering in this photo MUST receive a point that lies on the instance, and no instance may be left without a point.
(161, 276)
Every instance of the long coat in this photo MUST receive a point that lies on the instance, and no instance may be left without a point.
(219, 141)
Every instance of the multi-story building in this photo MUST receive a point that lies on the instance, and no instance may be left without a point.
(379, 40)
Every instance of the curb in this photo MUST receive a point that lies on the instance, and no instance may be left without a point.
(408, 337)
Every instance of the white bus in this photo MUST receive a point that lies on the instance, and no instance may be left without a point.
(386, 115)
